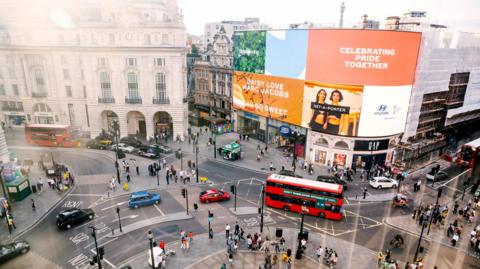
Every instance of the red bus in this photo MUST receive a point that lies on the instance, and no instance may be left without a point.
(468, 153)
(321, 199)
(50, 135)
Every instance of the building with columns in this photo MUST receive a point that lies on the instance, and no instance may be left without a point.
(89, 63)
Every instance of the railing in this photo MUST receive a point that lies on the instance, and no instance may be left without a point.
(161, 101)
(39, 94)
(11, 108)
(133, 100)
(106, 100)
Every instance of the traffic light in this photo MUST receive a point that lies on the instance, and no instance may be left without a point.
(439, 194)
(210, 214)
(101, 252)
(259, 210)
(195, 206)
(184, 192)
(232, 189)
(94, 260)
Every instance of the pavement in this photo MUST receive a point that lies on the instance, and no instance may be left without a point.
(23, 215)
(211, 253)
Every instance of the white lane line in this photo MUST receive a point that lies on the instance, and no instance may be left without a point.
(159, 210)
(126, 217)
(85, 194)
(115, 205)
(105, 260)
(280, 217)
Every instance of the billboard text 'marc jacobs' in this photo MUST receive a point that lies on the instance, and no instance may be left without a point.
(362, 57)
(274, 97)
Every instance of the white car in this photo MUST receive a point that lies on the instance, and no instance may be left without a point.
(383, 182)
(124, 147)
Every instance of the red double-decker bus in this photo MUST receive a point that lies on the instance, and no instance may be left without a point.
(50, 135)
(468, 154)
(320, 199)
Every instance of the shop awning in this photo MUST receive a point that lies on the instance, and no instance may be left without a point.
(234, 146)
(215, 120)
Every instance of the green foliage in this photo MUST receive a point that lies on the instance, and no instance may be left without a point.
(249, 51)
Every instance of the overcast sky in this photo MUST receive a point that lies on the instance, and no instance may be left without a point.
(462, 15)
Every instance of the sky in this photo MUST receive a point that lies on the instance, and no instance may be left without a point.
(462, 15)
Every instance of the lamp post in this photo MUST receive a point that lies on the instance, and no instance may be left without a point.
(262, 209)
(5, 194)
(419, 241)
(298, 254)
(296, 134)
(196, 163)
(119, 222)
(116, 129)
(150, 239)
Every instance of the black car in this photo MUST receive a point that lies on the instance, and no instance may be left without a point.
(131, 141)
(333, 180)
(71, 217)
(95, 144)
(12, 250)
(288, 173)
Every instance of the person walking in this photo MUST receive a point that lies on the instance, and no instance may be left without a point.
(33, 205)
(227, 230)
(137, 169)
(319, 253)
(128, 177)
(364, 193)
(164, 163)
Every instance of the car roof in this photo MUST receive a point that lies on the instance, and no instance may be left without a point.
(69, 211)
(138, 194)
(378, 178)
(212, 191)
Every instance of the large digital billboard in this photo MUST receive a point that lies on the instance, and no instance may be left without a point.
(343, 82)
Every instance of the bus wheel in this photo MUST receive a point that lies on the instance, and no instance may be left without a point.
(286, 208)
(321, 215)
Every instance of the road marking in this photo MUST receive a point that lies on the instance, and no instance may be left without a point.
(280, 217)
(90, 222)
(85, 194)
(159, 210)
(126, 217)
(115, 205)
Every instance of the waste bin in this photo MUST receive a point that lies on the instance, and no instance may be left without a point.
(34, 188)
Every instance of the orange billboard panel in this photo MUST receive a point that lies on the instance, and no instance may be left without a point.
(362, 57)
(274, 97)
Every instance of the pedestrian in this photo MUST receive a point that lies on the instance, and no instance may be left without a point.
(227, 230)
(379, 258)
(128, 177)
(266, 148)
(137, 169)
(237, 228)
(10, 221)
(364, 193)
(271, 166)
(164, 163)
(455, 239)
(319, 253)
(33, 205)
(210, 233)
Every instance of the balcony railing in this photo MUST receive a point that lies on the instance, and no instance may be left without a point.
(106, 100)
(12, 108)
(39, 94)
(133, 100)
(161, 101)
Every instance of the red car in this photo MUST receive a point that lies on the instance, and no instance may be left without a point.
(213, 195)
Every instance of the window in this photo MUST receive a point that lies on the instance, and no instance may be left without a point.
(68, 90)
(11, 73)
(159, 61)
(66, 74)
(1, 76)
(82, 74)
(9, 59)
(147, 39)
(132, 85)
(131, 61)
(15, 90)
(160, 86)
(2, 89)
(39, 80)
(105, 85)
(84, 92)
(102, 61)
(111, 39)
(71, 114)
(64, 60)
(164, 38)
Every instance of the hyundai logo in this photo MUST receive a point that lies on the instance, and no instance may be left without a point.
(382, 108)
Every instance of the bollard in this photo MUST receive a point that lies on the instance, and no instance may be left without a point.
(112, 231)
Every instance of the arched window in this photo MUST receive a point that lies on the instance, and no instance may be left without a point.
(105, 85)
(160, 86)
(41, 107)
(322, 142)
(132, 85)
(39, 81)
(341, 144)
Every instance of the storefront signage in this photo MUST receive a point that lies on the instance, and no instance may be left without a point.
(308, 195)
(371, 145)
(285, 130)
(202, 107)
(250, 116)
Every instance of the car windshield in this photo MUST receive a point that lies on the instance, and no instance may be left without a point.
(203, 192)
(6, 249)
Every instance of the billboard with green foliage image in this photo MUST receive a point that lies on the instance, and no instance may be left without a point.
(249, 51)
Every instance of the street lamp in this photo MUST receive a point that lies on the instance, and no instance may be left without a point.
(296, 135)
(98, 256)
(116, 129)
(150, 238)
(214, 146)
(435, 208)
(196, 163)
(419, 241)
(119, 223)
(298, 254)
(260, 210)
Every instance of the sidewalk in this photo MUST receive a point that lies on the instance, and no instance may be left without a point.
(23, 215)
(205, 253)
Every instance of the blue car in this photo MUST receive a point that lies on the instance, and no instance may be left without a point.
(142, 198)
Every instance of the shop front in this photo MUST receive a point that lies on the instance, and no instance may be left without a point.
(284, 135)
(43, 117)
(252, 125)
(14, 118)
